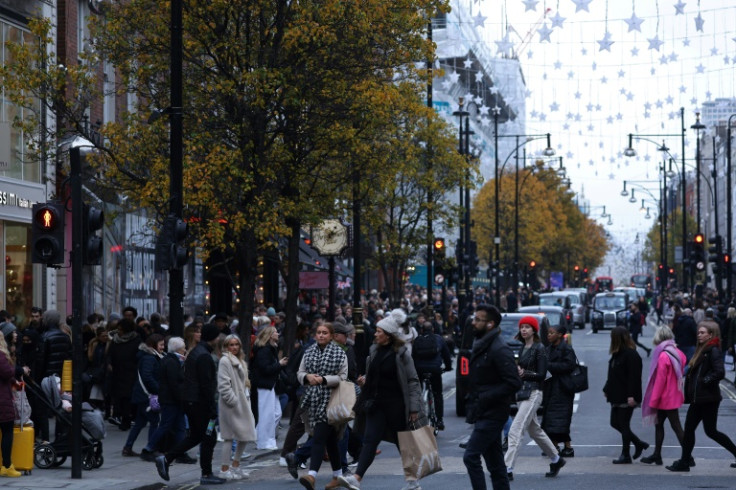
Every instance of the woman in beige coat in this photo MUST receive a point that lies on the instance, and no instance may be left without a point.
(235, 415)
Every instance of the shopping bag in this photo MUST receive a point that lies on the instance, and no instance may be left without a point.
(340, 406)
(419, 454)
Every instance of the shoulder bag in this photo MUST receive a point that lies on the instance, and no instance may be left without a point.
(577, 380)
(340, 407)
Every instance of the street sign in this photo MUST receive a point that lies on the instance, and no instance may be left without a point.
(439, 279)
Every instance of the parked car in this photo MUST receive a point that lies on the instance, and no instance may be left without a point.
(585, 300)
(509, 328)
(570, 301)
(609, 310)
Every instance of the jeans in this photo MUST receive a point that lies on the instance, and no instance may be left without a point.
(142, 417)
(172, 420)
(526, 419)
(198, 419)
(708, 414)
(485, 441)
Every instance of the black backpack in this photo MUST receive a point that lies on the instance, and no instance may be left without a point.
(425, 347)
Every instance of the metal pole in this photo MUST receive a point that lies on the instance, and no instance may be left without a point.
(361, 348)
(684, 205)
(331, 292)
(75, 434)
(516, 218)
(461, 246)
(430, 198)
(719, 272)
(729, 211)
(496, 237)
(468, 286)
(176, 276)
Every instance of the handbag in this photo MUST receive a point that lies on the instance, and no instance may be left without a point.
(524, 393)
(340, 407)
(578, 378)
(153, 403)
(419, 453)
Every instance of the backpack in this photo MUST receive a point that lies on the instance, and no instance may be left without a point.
(425, 347)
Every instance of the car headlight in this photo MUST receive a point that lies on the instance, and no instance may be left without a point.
(621, 315)
(597, 315)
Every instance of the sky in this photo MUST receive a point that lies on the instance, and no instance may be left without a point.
(597, 70)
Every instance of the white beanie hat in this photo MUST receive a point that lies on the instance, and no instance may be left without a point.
(392, 322)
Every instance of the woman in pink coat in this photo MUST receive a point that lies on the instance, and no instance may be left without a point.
(665, 390)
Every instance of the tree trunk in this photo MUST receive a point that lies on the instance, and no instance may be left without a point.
(247, 262)
(292, 285)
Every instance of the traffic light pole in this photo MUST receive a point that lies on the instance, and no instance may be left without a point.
(75, 434)
(176, 274)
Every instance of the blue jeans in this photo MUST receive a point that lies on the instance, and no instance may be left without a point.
(172, 420)
(142, 418)
(485, 441)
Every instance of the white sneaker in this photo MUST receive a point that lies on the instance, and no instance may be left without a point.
(349, 482)
(242, 474)
(412, 485)
(229, 475)
(282, 462)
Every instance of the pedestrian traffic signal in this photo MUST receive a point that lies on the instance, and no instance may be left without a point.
(47, 233)
(171, 249)
(93, 220)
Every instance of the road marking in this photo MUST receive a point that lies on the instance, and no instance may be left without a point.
(729, 392)
(447, 394)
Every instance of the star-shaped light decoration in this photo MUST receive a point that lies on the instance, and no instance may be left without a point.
(578, 94)
(594, 66)
(609, 119)
(673, 56)
(589, 107)
(571, 74)
(647, 157)
(686, 42)
(446, 84)
(504, 45)
(542, 116)
(578, 117)
(655, 43)
(680, 8)
(652, 70)
(581, 5)
(646, 114)
(634, 22)
(699, 23)
(621, 73)
(454, 77)
(694, 101)
(669, 99)
(529, 54)
(533, 114)
(493, 90)
(659, 104)
(554, 107)
(726, 59)
(478, 100)
(527, 93)
(647, 106)
(583, 51)
(557, 20)
(619, 117)
(634, 51)
(598, 107)
(468, 64)
(565, 126)
(630, 96)
(591, 127)
(700, 68)
(623, 91)
(479, 20)
(570, 115)
(605, 43)
(663, 59)
(478, 76)
(612, 176)
(530, 5)
(558, 65)
(544, 33)
(714, 51)
(569, 154)
(708, 95)
(604, 79)
(683, 89)
(672, 115)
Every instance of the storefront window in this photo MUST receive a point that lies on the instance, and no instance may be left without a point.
(18, 271)
(14, 159)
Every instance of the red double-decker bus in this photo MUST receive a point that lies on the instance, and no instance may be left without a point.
(603, 283)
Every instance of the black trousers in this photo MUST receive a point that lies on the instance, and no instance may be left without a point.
(198, 419)
(435, 383)
(6, 428)
(621, 421)
(708, 414)
(325, 437)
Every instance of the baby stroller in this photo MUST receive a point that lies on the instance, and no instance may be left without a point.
(53, 454)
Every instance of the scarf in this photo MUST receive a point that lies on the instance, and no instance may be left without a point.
(323, 362)
(649, 414)
(149, 350)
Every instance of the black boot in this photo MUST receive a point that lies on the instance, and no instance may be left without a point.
(639, 449)
(679, 465)
(554, 468)
(654, 458)
(623, 459)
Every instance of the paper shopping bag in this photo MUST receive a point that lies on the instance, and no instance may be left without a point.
(340, 406)
(419, 454)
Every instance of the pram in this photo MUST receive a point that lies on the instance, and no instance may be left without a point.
(54, 454)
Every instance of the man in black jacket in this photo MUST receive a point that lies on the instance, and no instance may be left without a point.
(53, 349)
(493, 381)
(200, 407)
(429, 352)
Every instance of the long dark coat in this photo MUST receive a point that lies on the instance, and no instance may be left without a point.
(557, 401)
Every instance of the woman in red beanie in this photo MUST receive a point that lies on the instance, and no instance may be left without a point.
(532, 370)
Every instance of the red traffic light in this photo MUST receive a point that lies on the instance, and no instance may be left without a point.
(46, 218)
(699, 238)
(661, 266)
(532, 264)
(577, 268)
(726, 259)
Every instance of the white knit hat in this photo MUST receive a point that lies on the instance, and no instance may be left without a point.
(392, 322)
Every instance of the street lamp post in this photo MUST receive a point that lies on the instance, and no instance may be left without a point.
(496, 236)
(729, 211)
(697, 127)
(463, 243)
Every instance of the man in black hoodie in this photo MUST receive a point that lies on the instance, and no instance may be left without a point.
(200, 407)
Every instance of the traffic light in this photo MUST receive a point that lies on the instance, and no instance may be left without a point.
(47, 233)
(171, 249)
(473, 258)
(532, 264)
(440, 253)
(698, 254)
(585, 272)
(92, 220)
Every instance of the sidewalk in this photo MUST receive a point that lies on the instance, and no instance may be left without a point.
(118, 472)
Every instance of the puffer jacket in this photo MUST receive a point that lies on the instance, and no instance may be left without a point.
(171, 380)
(149, 370)
(494, 377)
(703, 377)
(54, 348)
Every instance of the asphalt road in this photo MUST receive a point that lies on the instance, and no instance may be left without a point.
(595, 443)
